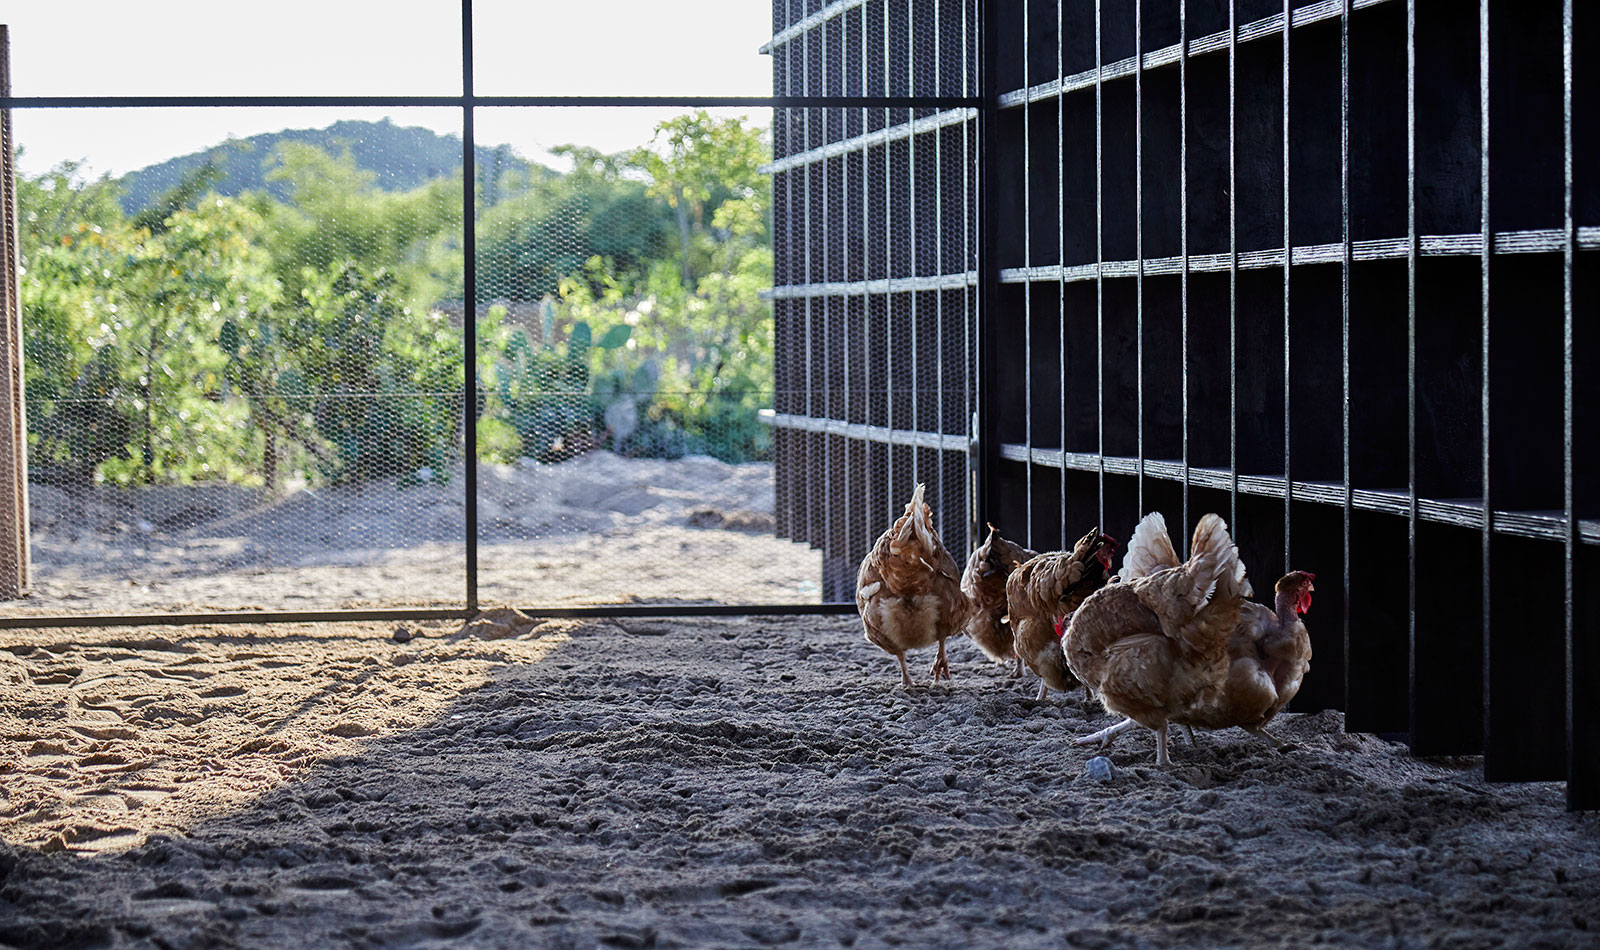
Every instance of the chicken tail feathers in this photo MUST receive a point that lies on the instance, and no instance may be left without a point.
(1150, 549)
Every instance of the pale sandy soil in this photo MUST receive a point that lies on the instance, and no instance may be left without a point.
(599, 528)
(722, 783)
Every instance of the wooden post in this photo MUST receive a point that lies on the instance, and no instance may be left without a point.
(15, 566)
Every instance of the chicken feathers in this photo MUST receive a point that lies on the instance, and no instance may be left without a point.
(1156, 646)
(1043, 592)
(1269, 651)
(984, 584)
(908, 591)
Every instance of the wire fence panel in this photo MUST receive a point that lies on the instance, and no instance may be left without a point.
(241, 389)
(626, 366)
(1311, 265)
(875, 289)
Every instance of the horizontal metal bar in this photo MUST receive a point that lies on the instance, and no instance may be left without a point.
(42, 621)
(1538, 525)
(887, 285)
(457, 102)
(796, 30)
(1544, 241)
(1169, 55)
(862, 432)
(859, 143)
(599, 611)
(602, 611)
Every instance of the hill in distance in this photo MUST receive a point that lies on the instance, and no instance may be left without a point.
(402, 157)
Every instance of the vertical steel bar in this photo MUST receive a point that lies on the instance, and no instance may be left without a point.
(469, 322)
(988, 271)
(807, 304)
(938, 268)
(868, 379)
(1138, 249)
(15, 557)
(828, 440)
(795, 441)
(967, 408)
(1183, 251)
(889, 297)
(1099, 267)
(1576, 794)
(1288, 270)
(911, 213)
(1411, 350)
(1061, 258)
(1485, 256)
(1027, 287)
(1344, 321)
(1233, 266)
(848, 508)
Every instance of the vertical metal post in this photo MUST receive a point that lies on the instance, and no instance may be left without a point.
(15, 566)
(1580, 767)
(1288, 270)
(15, 550)
(469, 323)
(1061, 260)
(1486, 253)
(868, 378)
(1411, 350)
(969, 301)
(988, 267)
(1138, 250)
(829, 555)
(1099, 267)
(911, 217)
(1233, 266)
(1183, 250)
(888, 272)
(1027, 287)
(1344, 322)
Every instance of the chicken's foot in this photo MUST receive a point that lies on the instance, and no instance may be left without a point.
(1277, 743)
(905, 676)
(941, 665)
(1106, 735)
(1016, 668)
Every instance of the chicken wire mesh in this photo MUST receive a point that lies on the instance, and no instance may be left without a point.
(875, 297)
(246, 374)
(626, 369)
(243, 385)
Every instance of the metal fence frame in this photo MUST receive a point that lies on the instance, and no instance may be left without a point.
(468, 101)
(1460, 676)
(1449, 617)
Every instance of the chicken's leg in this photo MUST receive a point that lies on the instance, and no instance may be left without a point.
(1016, 669)
(905, 677)
(941, 665)
(1043, 689)
(1106, 735)
(1277, 743)
(1161, 746)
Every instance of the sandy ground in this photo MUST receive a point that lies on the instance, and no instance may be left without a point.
(598, 529)
(727, 783)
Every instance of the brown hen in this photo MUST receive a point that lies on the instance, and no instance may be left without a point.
(1156, 646)
(908, 591)
(1043, 592)
(1269, 651)
(984, 583)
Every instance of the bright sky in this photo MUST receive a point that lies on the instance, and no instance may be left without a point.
(367, 48)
